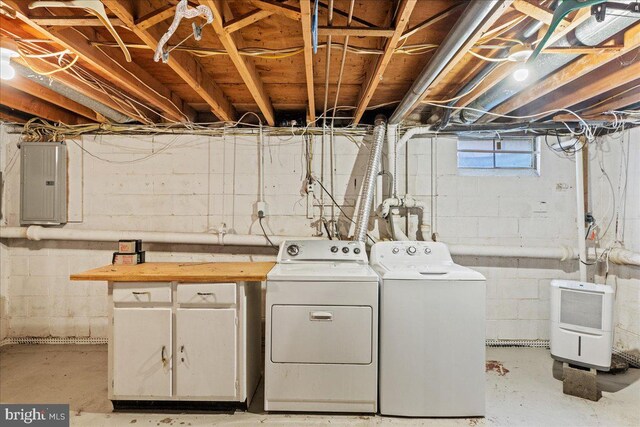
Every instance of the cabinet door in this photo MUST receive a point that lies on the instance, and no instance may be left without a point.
(142, 352)
(206, 353)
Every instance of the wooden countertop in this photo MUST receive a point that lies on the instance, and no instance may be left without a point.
(210, 272)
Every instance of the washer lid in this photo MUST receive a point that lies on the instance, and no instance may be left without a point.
(415, 271)
(322, 272)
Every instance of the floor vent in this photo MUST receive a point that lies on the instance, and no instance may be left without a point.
(518, 343)
(52, 340)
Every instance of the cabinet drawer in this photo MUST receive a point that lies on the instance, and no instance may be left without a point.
(207, 293)
(142, 292)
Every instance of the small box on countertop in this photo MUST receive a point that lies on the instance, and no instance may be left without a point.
(129, 246)
(128, 259)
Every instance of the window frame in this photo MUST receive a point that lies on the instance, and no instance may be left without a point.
(534, 152)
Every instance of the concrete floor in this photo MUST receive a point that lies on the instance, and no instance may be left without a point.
(521, 391)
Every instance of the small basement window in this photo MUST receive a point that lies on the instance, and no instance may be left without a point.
(505, 154)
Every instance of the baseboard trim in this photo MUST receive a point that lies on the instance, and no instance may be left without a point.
(632, 359)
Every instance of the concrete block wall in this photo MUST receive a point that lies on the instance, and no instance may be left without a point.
(196, 184)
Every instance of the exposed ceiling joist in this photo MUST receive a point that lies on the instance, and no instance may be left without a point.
(431, 20)
(8, 116)
(537, 12)
(37, 90)
(624, 75)
(184, 64)
(126, 75)
(245, 20)
(568, 74)
(74, 21)
(21, 101)
(305, 10)
(155, 17)
(344, 14)
(246, 68)
(505, 71)
(377, 72)
(487, 23)
(277, 8)
(615, 103)
(356, 31)
(83, 88)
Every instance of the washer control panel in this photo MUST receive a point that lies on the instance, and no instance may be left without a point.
(418, 251)
(322, 250)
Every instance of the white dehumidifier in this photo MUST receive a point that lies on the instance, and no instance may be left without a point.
(582, 323)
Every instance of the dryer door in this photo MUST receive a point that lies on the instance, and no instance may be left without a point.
(321, 334)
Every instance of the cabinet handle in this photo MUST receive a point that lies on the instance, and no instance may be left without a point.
(204, 294)
(141, 293)
(164, 359)
(321, 315)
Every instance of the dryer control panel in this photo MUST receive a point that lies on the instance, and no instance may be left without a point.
(322, 250)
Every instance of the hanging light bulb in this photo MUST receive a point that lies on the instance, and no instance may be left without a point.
(520, 74)
(7, 72)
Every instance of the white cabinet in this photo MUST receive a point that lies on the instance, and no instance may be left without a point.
(206, 358)
(142, 351)
(184, 341)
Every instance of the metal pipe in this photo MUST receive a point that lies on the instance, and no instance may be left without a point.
(589, 33)
(582, 244)
(342, 61)
(472, 18)
(368, 185)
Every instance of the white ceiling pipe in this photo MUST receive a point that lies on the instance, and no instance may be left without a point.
(36, 232)
(559, 252)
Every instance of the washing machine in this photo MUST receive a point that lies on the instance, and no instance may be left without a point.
(432, 332)
(321, 349)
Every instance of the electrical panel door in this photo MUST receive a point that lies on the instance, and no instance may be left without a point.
(43, 183)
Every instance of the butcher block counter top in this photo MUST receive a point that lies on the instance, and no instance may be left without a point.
(207, 272)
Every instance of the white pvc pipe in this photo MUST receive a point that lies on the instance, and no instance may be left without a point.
(36, 232)
(560, 252)
(582, 244)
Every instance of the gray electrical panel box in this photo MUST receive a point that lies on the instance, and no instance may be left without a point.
(43, 183)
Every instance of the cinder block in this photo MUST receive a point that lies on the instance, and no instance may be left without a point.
(580, 383)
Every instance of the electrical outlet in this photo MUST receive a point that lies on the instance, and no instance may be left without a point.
(261, 209)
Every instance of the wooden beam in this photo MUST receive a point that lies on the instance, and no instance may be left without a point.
(586, 50)
(155, 17)
(356, 31)
(344, 14)
(245, 20)
(377, 72)
(114, 68)
(185, 65)
(17, 100)
(246, 68)
(568, 74)
(431, 20)
(277, 8)
(618, 78)
(539, 13)
(488, 22)
(305, 10)
(614, 103)
(8, 116)
(506, 70)
(82, 87)
(34, 89)
(74, 21)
